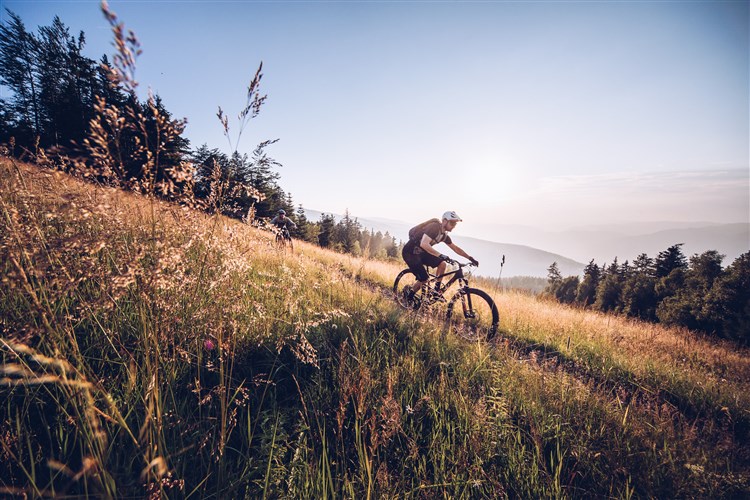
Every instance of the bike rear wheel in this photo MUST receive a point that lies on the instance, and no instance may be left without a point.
(406, 278)
(473, 314)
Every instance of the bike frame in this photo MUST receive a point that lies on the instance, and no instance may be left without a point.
(465, 295)
(283, 238)
(456, 275)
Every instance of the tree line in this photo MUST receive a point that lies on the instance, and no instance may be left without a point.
(68, 111)
(695, 293)
(348, 236)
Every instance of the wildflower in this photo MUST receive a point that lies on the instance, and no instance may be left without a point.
(209, 345)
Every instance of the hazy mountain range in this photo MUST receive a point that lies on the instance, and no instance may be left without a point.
(628, 240)
(533, 250)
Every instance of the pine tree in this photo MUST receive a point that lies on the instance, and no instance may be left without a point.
(566, 291)
(377, 246)
(6, 122)
(166, 145)
(302, 229)
(392, 250)
(669, 268)
(347, 232)
(554, 279)
(326, 227)
(586, 293)
(204, 161)
(638, 294)
(686, 307)
(727, 305)
(240, 194)
(609, 291)
(260, 173)
(365, 242)
(50, 80)
(670, 259)
(57, 98)
(18, 65)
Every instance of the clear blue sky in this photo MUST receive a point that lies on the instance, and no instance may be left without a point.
(550, 114)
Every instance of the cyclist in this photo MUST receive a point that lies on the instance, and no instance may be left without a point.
(281, 221)
(419, 252)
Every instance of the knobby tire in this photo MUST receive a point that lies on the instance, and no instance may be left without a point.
(404, 278)
(472, 313)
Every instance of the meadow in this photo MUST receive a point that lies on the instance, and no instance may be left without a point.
(152, 350)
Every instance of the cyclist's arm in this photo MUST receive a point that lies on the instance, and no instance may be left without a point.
(426, 245)
(459, 250)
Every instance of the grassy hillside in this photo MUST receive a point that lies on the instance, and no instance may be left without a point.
(153, 350)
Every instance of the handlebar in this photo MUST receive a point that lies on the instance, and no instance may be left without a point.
(462, 264)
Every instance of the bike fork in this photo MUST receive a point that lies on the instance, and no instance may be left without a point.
(466, 305)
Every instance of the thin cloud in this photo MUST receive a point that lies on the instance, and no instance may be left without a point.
(720, 196)
(650, 183)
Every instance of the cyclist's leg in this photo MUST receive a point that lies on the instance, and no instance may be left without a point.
(414, 262)
(432, 261)
(439, 273)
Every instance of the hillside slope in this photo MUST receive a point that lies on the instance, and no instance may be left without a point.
(149, 349)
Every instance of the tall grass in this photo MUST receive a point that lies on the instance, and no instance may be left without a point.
(153, 350)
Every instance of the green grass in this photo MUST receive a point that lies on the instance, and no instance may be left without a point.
(150, 350)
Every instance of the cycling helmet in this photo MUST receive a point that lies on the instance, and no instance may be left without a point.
(452, 216)
(281, 211)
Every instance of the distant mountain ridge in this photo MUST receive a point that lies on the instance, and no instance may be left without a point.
(628, 240)
(731, 240)
(520, 260)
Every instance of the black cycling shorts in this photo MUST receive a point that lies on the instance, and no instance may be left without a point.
(418, 261)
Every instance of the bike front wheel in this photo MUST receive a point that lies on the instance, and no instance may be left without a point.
(473, 314)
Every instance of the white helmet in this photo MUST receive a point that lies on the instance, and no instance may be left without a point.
(451, 215)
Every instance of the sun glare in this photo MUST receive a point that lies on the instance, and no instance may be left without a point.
(493, 183)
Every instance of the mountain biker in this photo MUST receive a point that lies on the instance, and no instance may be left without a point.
(419, 252)
(281, 221)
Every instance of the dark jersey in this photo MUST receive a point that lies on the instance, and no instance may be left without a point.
(286, 222)
(435, 231)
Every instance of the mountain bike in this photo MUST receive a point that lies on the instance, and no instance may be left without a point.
(283, 238)
(470, 312)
